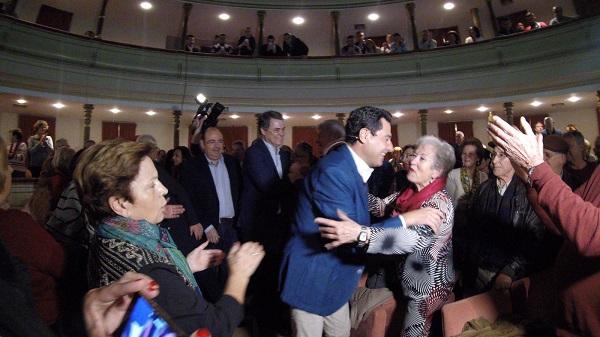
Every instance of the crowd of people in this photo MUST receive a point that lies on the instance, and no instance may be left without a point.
(456, 220)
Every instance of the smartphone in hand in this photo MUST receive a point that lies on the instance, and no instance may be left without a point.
(146, 319)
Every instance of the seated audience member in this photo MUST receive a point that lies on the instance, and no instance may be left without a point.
(427, 41)
(190, 44)
(519, 27)
(293, 46)
(330, 135)
(474, 35)
(33, 246)
(180, 155)
(505, 27)
(539, 128)
(575, 216)
(246, 43)
(122, 194)
(427, 273)
(578, 169)
(360, 42)
(221, 47)
(531, 23)
(559, 17)
(398, 46)
(40, 147)
(386, 46)
(271, 48)
(17, 155)
(549, 128)
(350, 49)
(61, 173)
(452, 38)
(60, 143)
(505, 234)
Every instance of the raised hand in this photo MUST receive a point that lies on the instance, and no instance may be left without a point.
(200, 259)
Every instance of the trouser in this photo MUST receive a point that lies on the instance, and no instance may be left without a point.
(306, 324)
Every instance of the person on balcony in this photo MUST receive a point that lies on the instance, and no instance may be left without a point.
(350, 49)
(246, 43)
(293, 46)
(397, 46)
(505, 27)
(271, 48)
(531, 23)
(222, 47)
(190, 44)
(559, 17)
(427, 41)
(474, 35)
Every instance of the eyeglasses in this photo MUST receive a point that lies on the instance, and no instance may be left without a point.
(500, 155)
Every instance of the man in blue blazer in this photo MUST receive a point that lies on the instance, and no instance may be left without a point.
(315, 282)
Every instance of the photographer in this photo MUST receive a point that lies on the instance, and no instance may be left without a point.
(40, 147)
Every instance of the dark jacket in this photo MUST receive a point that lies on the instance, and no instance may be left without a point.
(505, 233)
(296, 47)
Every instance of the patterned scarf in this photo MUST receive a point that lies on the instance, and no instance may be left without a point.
(469, 184)
(411, 200)
(149, 237)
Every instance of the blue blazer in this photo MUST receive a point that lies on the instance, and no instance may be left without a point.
(312, 278)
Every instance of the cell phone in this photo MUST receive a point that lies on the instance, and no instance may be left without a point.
(145, 318)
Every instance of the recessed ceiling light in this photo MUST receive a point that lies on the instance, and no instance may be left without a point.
(483, 108)
(316, 117)
(298, 20)
(21, 101)
(234, 116)
(146, 5)
(150, 112)
(224, 16)
(448, 111)
(115, 110)
(58, 105)
(373, 17)
(449, 6)
(286, 116)
(535, 103)
(200, 98)
(398, 114)
(572, 99)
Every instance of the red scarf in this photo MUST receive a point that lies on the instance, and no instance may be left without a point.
(410, 199)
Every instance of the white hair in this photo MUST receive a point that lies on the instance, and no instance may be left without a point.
(444, 153)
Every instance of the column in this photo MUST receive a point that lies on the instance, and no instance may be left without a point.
(341, 117)
(598, 109)
(475, 17)
(492, 16)
(258, 133)
(508, 110)
(410, 7)
(187, 9)
(87, 120)
(423, 121)
(335, 17)
(176, 122)
(261, 30)
(101, 17)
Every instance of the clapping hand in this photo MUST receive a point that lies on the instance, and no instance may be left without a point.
(200, 259)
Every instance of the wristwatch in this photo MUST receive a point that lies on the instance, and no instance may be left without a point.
(362, 237)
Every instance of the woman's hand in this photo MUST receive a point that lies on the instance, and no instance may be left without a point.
(104, 308)
(339, 232)
(425, 216)
(244, 259)
(200, 259)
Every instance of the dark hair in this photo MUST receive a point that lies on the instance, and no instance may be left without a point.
(350, 37)
(185, 152)
(476, 30)
(478, 146)
(189, 35)
(365, 117)
(264, 120)
(271, 37)
(17, 133)
(578, 136)
(396, 34)
(408, 146)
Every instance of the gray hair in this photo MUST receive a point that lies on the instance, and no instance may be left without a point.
(146, 139)
(444, 153)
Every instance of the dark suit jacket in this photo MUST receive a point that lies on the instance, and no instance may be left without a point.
(264, 194)
(314, 279)
(199, 184)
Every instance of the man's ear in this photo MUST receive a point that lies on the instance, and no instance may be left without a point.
(120, 206)
(363, 135)
(263, 131)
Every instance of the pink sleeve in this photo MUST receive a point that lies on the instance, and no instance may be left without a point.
(579, 220)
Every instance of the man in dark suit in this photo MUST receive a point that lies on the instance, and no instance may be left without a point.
(213, 181)
(265, 214)
(317, 283)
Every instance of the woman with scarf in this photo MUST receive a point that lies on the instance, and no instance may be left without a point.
(427, 272)
(121, 193)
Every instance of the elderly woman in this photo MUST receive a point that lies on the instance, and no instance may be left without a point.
(121, 192)
(463, 181)
(40, 147)
(427, 273)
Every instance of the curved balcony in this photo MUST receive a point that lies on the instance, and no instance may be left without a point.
(36, 59)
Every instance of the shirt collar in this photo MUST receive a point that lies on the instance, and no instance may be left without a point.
(214, 162)
(363, 168)
(272, 148)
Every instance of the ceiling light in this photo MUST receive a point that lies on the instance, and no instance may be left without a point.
(234, 116)
(448, 111)
(315, 117)
(200, 98)
(535, 103)
(483, 108)
(21, 101)
(115, 110)
(286, 116)
(150, 112)
(224, 16)
(373, 17)
(58, 105)
(146, 5)
(572, 99)
(298, 20)
(449, 6)
(398, 114)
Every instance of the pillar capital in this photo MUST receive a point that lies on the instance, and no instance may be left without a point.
(87, 120)
(423, 121)
(508, 110)
(341, 117)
